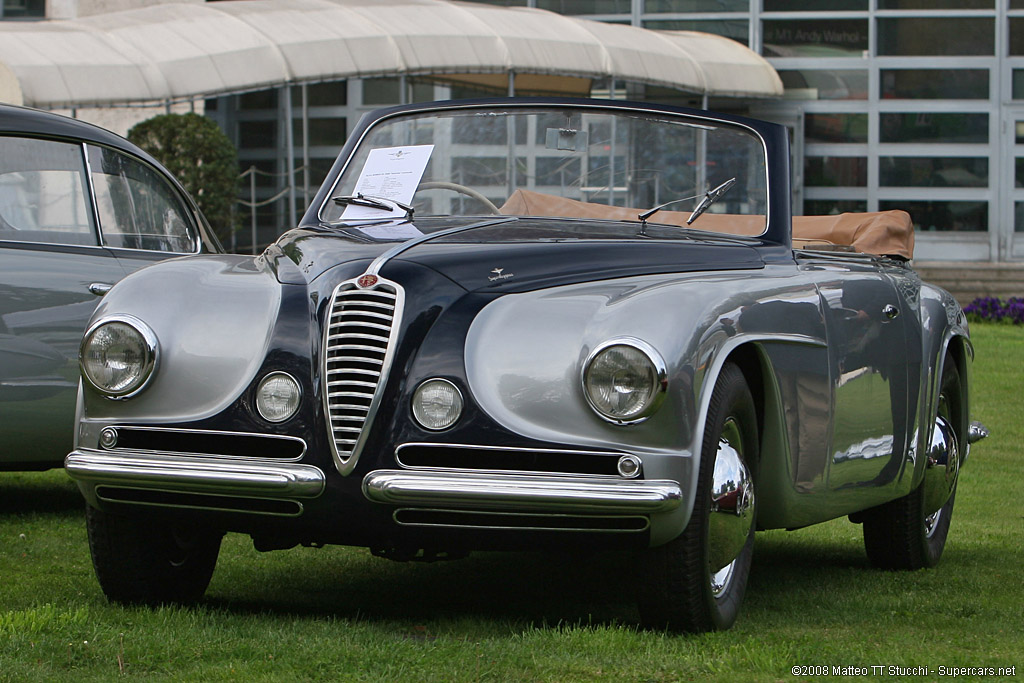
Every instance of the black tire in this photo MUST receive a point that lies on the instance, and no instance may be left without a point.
(675, 590)
(148, 561)
(899, 535)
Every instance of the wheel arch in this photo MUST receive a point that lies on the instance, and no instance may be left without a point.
(945, 335)
(749, 356)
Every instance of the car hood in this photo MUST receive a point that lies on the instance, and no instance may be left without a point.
(523, 255)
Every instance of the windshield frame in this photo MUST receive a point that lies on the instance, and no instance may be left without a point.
(772, 139)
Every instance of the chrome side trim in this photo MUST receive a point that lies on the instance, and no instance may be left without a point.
(196, 474)
(521, 493)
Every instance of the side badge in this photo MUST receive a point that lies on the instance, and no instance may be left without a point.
(500, 274)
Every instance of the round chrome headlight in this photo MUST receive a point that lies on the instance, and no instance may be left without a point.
(118, 356)
(437, 404)
(624, 380)
(277, 397)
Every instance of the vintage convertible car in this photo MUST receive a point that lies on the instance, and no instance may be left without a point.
(494, 329)
(80, 208)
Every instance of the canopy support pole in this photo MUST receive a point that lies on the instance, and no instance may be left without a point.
(289, 143)
(305, 145)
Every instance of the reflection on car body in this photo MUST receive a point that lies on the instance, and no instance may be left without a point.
(507, 349)
(80, 208)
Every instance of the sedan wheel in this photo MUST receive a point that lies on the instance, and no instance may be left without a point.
(696, 582)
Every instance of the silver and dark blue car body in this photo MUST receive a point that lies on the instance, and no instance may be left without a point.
(492, 330)
(80, 208)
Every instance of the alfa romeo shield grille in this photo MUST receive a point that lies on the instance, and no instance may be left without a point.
(358, 339)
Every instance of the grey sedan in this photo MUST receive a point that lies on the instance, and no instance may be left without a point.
(80, 208)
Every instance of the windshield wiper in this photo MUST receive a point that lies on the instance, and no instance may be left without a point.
(710, 197)
(650, 212)
(373, 202)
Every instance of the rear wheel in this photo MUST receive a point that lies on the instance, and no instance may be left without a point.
(146, 560)
(696, 582)
(909, 532)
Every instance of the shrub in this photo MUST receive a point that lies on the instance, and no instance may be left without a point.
(201, 157)
(992, 309)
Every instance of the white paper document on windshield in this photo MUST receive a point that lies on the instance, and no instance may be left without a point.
(389, 173)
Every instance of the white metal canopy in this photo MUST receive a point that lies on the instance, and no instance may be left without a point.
(179, 51)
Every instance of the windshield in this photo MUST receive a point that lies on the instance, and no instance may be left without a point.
(571, 162)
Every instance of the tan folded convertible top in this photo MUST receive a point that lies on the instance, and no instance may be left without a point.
(883, 233)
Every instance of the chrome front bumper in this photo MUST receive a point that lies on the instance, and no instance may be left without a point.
(521, 493)
(195, 474)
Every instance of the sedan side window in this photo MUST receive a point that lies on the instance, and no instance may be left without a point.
(43, 193)
(138, 208)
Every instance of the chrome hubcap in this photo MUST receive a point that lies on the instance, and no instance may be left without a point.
(942, 465)
(732, 507)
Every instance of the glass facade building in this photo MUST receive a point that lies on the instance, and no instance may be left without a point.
(911, 104)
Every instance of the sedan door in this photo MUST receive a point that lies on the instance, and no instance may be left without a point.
(52, 272)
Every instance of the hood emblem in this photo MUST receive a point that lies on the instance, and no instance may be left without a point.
(500, 274)
(366, 281)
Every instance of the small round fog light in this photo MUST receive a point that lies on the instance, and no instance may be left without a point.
(437, 404)
(629, 466)
(277, 397)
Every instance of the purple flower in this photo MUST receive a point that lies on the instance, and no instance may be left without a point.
(990, 308)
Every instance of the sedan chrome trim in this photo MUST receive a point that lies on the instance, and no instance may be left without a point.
(522, 493)
(195, 474)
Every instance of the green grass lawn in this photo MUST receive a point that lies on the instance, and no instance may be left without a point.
(339, 613)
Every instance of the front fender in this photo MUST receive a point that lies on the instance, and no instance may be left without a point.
(525, 355)
(212, 316)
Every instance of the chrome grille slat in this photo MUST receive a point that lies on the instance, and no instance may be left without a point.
(349, 406)
(358, 340)
(354, 359)
(359, 311)
(355, 383)
(358, 347)
(353, 371)
(357, 326)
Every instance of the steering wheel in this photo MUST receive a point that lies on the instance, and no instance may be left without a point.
(461, 189)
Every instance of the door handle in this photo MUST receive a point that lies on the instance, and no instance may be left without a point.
(890, 311)
(100, 288)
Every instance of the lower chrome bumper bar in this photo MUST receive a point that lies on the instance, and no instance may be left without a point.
(521, 492)
(195, 474)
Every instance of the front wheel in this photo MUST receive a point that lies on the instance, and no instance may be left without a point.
(696, 582)
(147, 560)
